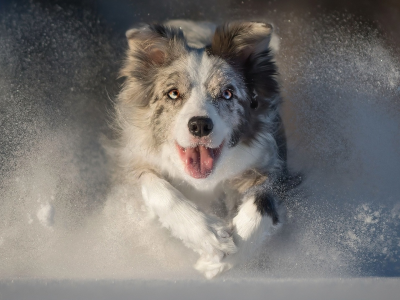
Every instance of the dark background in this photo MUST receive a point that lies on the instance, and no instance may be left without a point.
(122, 14)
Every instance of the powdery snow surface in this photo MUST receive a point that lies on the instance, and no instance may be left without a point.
(327, 289)
(65, 231)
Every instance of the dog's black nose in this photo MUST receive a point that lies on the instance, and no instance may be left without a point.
(200, 126)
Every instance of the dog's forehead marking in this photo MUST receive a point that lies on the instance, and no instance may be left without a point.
(198, 67)
(210, 74)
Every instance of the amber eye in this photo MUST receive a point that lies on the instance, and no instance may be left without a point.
(173, 94)
(227, 94)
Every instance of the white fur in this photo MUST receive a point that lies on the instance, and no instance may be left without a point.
(251, 230)
(198, 231)
(196, 106)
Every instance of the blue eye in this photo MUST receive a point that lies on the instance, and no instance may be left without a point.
(227, 94)
(173, 94)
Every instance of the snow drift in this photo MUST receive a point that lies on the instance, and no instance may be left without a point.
(61, 219)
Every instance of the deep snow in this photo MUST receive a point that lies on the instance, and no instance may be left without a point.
(60, 219)
(327, 289)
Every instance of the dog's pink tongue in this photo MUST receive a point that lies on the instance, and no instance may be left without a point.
(199, 161)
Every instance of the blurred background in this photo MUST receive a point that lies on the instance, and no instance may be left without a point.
(340, 78)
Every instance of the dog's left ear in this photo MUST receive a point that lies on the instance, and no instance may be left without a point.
(237, 41)
(245, 45)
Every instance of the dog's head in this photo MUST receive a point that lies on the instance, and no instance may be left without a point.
(202, 115)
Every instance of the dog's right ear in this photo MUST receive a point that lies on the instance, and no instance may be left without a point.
(154, 45)
(245, 45)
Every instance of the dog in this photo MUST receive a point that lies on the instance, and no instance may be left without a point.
(199, 129)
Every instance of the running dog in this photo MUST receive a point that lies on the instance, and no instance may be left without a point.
(199, 130)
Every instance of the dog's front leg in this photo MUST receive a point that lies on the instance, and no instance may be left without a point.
(256, 220)
(206, 235)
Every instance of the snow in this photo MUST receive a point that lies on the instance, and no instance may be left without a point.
(66, 232)
(45, 215)
(350, 288)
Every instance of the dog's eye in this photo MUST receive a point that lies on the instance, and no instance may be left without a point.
(227, 94)
(173, 94)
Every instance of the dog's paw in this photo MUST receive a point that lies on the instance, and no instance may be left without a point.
(218, 243)
(216, 246)
(211, 266)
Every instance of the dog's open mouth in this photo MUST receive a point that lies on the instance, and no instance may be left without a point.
(199, 161)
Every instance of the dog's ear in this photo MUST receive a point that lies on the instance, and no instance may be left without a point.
(152, 46)
(238, 41)
(245, 45)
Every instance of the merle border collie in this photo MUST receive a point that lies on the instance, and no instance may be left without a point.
(199, 131)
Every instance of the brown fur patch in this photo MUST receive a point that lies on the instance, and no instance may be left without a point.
(247, 180)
